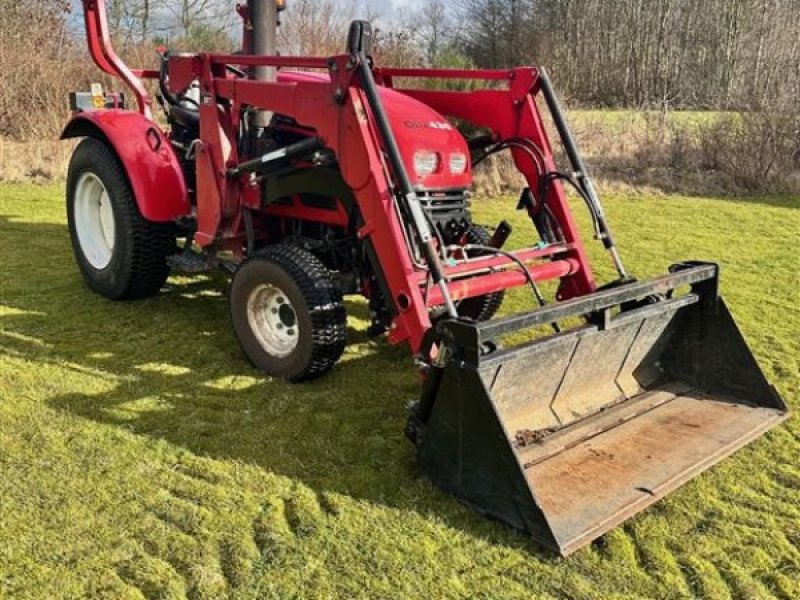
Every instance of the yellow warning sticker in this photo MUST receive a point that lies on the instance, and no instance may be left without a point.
(98, 95)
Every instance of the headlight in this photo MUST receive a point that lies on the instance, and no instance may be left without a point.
(458, 163)
(426, 163)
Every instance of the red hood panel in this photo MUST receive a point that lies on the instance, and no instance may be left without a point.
(417, 128)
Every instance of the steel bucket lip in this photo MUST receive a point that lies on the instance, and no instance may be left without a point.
(619, 320)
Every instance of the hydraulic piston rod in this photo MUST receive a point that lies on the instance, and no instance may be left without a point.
(581, 172)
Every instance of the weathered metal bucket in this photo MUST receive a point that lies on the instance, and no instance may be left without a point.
(567, 436)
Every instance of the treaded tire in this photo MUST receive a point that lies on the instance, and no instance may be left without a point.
(480, 308)
(316, 300)
(137, 266)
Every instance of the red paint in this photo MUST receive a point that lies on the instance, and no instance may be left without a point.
(297, 210)
(417, 128)
(155, 175)
(330, 104)
(514, 114)
(97, 34)
(486, 284)
(477, 266)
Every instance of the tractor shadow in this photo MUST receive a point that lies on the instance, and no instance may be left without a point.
(175, 372)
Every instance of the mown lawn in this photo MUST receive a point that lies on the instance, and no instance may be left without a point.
(141, 456)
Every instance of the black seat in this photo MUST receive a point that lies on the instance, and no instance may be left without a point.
(186, 117)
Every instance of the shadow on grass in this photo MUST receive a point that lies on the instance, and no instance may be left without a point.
(176, 373)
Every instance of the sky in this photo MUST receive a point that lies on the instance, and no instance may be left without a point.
(398, 3)
(385, 7)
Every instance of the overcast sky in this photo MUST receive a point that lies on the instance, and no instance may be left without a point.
(397, 3)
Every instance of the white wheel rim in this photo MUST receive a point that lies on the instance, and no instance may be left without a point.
(273, 320)
(94, 220)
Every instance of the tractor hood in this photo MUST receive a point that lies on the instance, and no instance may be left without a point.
(435, 153)
(425, 137)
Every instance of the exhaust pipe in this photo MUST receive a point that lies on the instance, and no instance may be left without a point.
(264, 19)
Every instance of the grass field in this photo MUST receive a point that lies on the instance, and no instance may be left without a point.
(140, 456)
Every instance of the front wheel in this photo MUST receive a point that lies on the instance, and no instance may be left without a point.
(287, 313)
(120, 254)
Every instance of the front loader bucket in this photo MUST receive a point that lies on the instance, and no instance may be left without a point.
(567, 436)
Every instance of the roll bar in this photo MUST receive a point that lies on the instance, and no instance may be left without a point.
(104, 56)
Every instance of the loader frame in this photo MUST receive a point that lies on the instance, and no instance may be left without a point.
(336, 110)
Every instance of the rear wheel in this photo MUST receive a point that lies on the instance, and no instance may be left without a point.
(287, 313)
(480, 308)
(120, 254)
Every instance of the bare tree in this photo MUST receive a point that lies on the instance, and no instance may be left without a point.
(434, 29)
(319, 27)
(214, 15)
(315, 27)
(38, 60)
(680, 53)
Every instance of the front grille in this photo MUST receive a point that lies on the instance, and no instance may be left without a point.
(444, 207)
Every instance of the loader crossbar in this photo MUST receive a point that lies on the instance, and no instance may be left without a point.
(587, 305)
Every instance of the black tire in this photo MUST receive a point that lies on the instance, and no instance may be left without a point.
(310, 304)
(137, 266)
(480, 308)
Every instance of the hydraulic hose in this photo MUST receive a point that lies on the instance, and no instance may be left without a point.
(581, 172)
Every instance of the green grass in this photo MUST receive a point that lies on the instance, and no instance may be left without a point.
(142, 457)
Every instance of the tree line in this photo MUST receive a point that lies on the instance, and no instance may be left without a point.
(722, 54)
(705, 54)
(709, 54)
(700, 54)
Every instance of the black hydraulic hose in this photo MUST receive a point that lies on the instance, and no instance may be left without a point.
(581, 172)
(359, 39)
(163, 85)
(518, 141)
(437, 233)
(529, 149)
(168, 96)
(250, 232)
(581, 193)
(531, 281)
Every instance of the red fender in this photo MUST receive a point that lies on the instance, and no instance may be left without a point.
(146, 155)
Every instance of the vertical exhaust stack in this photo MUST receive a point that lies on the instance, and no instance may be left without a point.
(567, 436)
(264, 18)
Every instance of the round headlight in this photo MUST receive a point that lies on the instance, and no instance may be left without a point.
(426, 162)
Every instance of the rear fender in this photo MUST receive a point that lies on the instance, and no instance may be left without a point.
(145, 153)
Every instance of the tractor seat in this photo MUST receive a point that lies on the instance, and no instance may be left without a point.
(185, 117)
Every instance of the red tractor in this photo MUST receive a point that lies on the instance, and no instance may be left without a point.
(309, 179)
